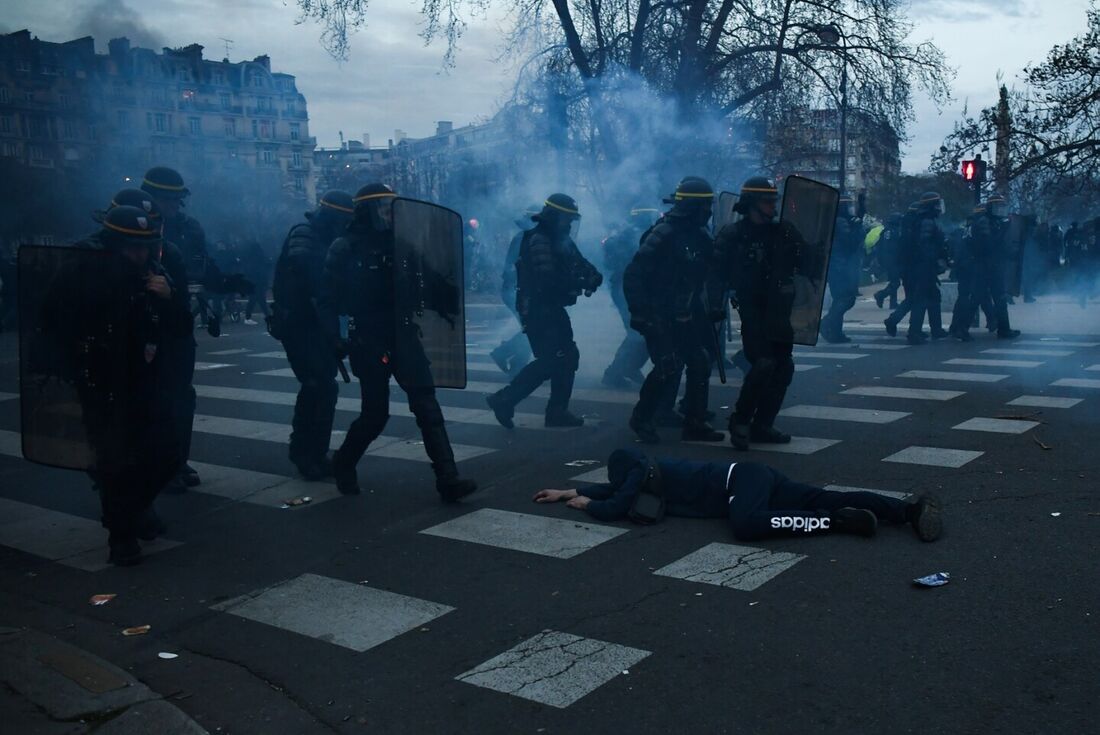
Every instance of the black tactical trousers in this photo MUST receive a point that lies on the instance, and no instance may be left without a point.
(924, 299)
(771, 373)
(678, 348)
(556, 359)
(515, 349)
(374, 364)
(314, 364)
(844, 290)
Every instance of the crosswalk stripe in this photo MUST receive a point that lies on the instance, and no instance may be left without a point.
(74, 541)
(996, 426)
(961, 377)
(797, 445)
(849, 489)
(919, 394)
(1093, 368)
(453, 414)
(727, 565)
(1045, 402)
(872, 346)
(391, 447)
(1076, 383)
(992, 363)
(1028, 353)
(557, 537)
(829, 355)
(211, 365)
(838, 413)
(234, 351)
(934, 456)
(1054, 343)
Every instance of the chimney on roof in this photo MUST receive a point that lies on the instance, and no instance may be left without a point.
(443, 127)
(118, 48)
(264, 61)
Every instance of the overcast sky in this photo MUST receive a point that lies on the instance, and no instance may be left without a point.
(392, 80)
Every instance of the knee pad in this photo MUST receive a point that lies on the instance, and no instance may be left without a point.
(668, 366)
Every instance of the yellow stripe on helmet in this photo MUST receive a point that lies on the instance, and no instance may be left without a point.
(337, 207)
(759, 190)
(567, 210)
(128, 231)
(692, 195)
(167, 187)
(365, 197)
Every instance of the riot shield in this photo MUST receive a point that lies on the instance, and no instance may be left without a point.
(428, 291)
(72, 331)
(809, 209)
(723, 210)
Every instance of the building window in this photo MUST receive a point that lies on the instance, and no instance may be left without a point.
(299, 183)
(63, 100)
(123, 120)
(23, 66)
(255, 78)
(5, 123)
(160, 122)
(93, 132)
(263, 104)
(291, 107)
(255, 129)
(183, 74)
(218, 77)
(267, 156)
(5, 97)
(194, 125)
(50, 70)
(226, 100)
(266, 129)
(39, 156)
(37, 127)
(295, 131)
(9, 150)
(69, 129)
(296, 159)
(231, 151)
(230, 127)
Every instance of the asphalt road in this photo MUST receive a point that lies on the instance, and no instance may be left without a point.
(392, 613)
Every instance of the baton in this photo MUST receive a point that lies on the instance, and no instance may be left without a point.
(343, 370)
(719, 353)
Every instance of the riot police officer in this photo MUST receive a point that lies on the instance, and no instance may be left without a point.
(965, 270)
(513, 353)
(619, 249)
(308, 336)
(988, 233)
(666, 288)
(760, 258)
(550, 274)
(888, 256)
(927, 259)
(845, 266)
(167, 188)
(359, 282)
(111, 321)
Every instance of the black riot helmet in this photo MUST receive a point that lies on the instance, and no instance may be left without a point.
(129, 230)
(758, 194)
(164, 183)
(374, 206)
(559, 213)
(334, 212)
(931, 203)
(693, 199)
(143, 200)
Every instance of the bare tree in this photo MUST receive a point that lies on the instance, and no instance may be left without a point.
(1052, 127)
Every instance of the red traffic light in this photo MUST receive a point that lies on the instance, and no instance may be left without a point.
(969, 170)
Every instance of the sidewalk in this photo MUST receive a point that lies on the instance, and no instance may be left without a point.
(51, 687)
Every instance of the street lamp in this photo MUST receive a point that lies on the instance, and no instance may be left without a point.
(831, 35)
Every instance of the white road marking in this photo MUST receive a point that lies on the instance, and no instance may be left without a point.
(961, 377)
(837, 413)
(934, 456)
(1076, 383)
(920, 394)
(1045, 402)
(1028, 353)
(738, 567)
(559, 538)
(996, 426)
(992, 363)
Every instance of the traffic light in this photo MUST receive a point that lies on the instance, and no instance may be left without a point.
(970, 171)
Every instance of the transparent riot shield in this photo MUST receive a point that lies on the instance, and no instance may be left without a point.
(72, 334)
(428, 292)
(723, 210)
(809, 210)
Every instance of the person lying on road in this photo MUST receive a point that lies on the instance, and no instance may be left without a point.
(759, 501)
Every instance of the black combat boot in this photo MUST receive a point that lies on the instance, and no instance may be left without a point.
(347, 479)
(891, 327)
(645, 430)
(1008, 333)
(125, 551)
(854, 521)
(768, 435)
(503, 409)
(437, 445)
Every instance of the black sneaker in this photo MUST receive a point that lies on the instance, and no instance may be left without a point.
(190, 476)
(124, 552)
(453, 489)
(926, 517)
(891, 327)
(769, 435)
(562, 419)
(940, 334)
(739, 436)
(1008, 334)
(150, 526)
(916, 339)
(700, 431)
(963, 336)
(502, 410)
(347, 479)
(645, 430)
(880, 297)
(310, 471)
(855, 521)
